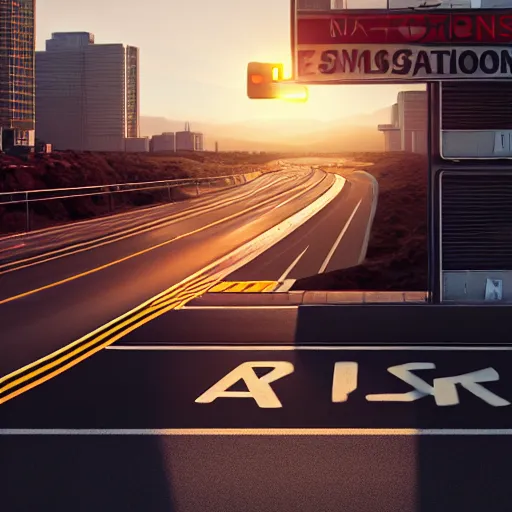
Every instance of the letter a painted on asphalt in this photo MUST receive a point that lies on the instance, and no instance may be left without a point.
(258, 387)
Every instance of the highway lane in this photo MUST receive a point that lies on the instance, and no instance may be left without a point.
(42, 321)
(336, 238)
(26, 245)
(53, 267)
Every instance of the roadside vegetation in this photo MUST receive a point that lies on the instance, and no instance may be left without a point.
(73, 169)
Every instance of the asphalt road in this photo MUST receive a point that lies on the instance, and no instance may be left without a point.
(124, 430)
(53, 300)
(127, 429)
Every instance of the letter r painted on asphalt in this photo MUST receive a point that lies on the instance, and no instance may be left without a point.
(258, 387)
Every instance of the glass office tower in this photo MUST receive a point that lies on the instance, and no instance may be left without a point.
(17, 58)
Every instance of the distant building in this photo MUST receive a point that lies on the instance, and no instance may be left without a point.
(188, 140)
(87, 94)
(164, 142)
(392, 136)
(136, 144)
(408, 128)
(17, 82)
(413, 120)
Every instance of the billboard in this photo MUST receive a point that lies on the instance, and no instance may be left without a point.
(333, 43)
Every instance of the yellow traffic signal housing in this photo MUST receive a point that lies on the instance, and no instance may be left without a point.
(262, 78)
(266, 81)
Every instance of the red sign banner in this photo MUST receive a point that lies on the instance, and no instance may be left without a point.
(355, 28)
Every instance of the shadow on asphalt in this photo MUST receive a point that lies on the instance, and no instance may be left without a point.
(98, 473)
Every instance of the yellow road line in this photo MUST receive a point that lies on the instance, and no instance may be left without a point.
(244, 287)
(174, 297)
(88, 345)
(149, 249)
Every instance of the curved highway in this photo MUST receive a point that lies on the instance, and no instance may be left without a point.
(52, 299)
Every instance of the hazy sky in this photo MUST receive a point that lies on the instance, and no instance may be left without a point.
(194, 55)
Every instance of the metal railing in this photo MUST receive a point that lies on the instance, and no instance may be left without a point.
(27, 197)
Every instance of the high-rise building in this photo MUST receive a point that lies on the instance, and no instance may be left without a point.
(87, 94)
(17, 87)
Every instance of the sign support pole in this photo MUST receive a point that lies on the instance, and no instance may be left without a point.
(433, 196)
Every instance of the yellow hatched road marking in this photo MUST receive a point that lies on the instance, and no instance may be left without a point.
(244, 287)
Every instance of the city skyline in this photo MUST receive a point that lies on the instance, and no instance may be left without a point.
(193, 65)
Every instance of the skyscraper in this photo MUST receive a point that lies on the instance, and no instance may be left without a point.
(87, 94)
(17, 81)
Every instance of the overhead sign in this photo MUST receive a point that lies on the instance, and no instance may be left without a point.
(364, 63)
(406, 46)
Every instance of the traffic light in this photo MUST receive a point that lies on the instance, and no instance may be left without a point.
(266, 81)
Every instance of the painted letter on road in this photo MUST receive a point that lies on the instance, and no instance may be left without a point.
(344, 381)
(258, 387)
(444, 389)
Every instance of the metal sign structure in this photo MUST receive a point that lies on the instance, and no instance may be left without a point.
(343, 45)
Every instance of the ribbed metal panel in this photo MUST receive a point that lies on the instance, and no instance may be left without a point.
(476, 221)
(476, 106)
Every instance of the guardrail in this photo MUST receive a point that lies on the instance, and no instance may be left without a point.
(27, 197)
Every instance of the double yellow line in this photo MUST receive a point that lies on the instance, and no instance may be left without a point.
(175, 297)
(46, 368)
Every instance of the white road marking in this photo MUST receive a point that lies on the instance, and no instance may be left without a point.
(285, 287)
(292, 266)
(292, 348)
(338, 240)
(358, 432)
(375, 195)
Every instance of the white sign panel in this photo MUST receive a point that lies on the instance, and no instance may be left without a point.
(341, 63)
(486, 144)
